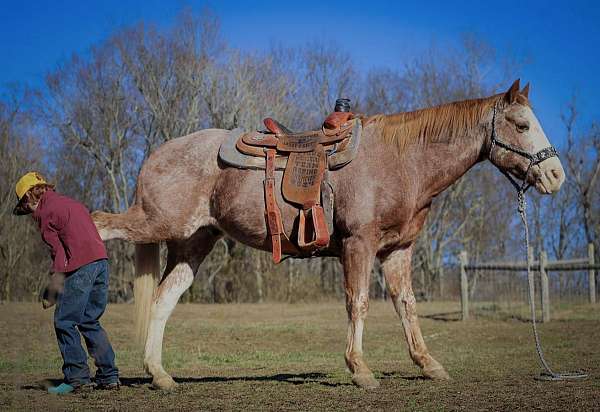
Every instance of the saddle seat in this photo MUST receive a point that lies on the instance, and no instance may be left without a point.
(304, 158)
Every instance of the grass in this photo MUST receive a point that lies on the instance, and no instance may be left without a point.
(290, 357)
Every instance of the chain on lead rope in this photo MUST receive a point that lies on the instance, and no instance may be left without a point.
(548, 374)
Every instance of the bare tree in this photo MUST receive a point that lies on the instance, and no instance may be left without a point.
(167, 72)
(583, 165)
(327, 73)
(21, 250)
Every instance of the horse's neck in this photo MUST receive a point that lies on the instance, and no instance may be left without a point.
(442, 164)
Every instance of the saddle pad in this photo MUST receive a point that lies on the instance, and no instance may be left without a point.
(302, 177)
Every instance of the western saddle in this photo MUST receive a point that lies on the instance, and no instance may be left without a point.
(304, 158)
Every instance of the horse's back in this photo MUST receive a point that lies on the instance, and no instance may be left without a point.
(195, 151)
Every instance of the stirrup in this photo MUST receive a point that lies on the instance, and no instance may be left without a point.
(316, 229)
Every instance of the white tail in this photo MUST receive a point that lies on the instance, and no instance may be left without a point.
(147, 272)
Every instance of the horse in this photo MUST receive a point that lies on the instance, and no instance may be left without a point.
(189, 199)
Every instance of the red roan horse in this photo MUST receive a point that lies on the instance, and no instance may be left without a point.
(189, 199)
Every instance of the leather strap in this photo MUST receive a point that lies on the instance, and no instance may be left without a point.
(272, 212)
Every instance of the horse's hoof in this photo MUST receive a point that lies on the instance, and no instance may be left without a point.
(438, 373)
(365, 381)
(165, 383)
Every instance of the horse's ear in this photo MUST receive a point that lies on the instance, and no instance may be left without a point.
(512, 93)
(525, 91)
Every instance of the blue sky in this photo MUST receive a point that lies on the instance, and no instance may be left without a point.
(561, 38)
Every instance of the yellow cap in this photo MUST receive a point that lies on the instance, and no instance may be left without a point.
(27, 182)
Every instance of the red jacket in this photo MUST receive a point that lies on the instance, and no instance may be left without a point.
(68, 229)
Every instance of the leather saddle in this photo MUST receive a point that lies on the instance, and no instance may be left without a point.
(304, 158)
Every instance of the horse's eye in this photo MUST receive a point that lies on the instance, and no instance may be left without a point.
(522, 127)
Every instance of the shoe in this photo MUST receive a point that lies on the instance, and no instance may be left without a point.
(61, 389)
(115, 386)
(65, 388)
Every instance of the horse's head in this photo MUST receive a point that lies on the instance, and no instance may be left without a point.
(519, 146)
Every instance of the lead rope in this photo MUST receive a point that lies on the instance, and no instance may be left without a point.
(548, 374)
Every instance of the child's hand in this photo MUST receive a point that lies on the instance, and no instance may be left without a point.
(48, 298)
(53, 290)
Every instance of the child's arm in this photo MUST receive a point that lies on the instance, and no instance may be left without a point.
(50, 228)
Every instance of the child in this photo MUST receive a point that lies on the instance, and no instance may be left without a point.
(77, 252)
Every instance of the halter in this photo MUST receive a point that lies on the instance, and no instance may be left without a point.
(534, 158)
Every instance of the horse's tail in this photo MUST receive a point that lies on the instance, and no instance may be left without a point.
(131, 225)
(147, 272)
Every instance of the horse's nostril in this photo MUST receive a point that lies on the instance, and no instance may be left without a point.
(557, 173)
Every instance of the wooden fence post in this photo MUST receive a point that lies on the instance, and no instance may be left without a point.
(592, 274)
(464, 285)
(441, 275)
(545, 289)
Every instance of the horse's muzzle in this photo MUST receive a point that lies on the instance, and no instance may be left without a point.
(549, 176)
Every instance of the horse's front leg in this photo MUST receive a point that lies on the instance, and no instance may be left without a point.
(358, 257)
(397, 271)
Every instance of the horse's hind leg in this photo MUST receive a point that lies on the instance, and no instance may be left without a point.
(183, 260)
(358, 261)
(397, 271)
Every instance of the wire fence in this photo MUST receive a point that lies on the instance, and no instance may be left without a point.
(499, 289)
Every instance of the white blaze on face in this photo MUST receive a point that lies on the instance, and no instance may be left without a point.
(552, 174)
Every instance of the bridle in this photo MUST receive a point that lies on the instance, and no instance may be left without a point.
(534, 158)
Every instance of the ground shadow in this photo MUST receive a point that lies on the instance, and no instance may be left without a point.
(399, 375)
(42, 385)
(291, 378)
(494, 314)
(294, 379)
(444, 317)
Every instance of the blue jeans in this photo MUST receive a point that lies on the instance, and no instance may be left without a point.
(78, 310)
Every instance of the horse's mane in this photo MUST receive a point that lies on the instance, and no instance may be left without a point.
(442, 123)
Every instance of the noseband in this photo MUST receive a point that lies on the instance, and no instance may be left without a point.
(534, 158)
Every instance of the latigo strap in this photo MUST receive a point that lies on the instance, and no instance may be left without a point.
(272, 212)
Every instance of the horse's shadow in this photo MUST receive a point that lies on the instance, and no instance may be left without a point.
(398, 375)
(291, 378)
(444, 317)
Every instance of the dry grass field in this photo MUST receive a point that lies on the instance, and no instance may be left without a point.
(290, 357)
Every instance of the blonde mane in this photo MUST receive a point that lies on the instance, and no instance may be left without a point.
(436, 124)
